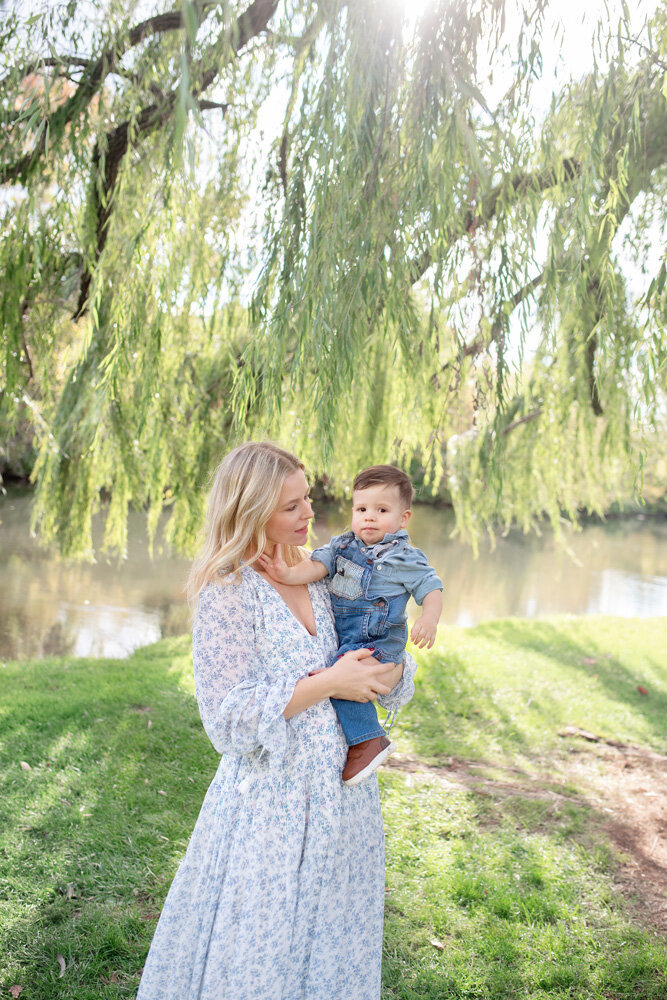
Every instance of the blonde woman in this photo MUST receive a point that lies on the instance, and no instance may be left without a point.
(280, 895)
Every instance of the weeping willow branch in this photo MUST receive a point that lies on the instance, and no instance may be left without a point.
(89, 85)
(528, 418)
(367, 183)
(519, 184)
(126, 136)
(46, 62)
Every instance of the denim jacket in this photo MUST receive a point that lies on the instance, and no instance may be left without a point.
(395, 565)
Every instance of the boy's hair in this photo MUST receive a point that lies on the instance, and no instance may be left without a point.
(386, 475)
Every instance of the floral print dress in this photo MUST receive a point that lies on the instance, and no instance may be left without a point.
(280, 895)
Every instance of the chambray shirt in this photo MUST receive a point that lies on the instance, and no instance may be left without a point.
(397, 566)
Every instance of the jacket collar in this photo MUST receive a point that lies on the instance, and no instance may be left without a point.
(392, 536)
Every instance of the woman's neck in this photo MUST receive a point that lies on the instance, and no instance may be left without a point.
(269, 550)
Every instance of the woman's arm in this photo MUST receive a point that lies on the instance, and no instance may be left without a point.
(356, 676)
(241, 709)
(240, 706)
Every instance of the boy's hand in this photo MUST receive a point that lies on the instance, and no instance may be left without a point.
(424, 631)
(276, 567)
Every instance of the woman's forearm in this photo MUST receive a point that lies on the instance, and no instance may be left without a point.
(375, 678)
(308, 691)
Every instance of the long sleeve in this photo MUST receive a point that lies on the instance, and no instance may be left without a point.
(404, 690)
(240, 705)
(326, 554)
(410, 567)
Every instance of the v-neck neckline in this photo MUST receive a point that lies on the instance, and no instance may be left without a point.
(313, 635)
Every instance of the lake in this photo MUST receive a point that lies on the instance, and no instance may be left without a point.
(50, 607)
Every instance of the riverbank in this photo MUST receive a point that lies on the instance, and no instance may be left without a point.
(529, 748)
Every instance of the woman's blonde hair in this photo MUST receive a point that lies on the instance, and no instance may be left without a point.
(245, 493)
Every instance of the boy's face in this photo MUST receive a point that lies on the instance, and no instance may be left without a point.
(377, 511)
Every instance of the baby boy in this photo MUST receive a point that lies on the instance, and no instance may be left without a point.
(373, 571)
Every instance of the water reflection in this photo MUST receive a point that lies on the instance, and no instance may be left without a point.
(51, 608)
(619, 568)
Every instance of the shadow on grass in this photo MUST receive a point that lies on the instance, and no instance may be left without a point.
(453, 708)
(507, 897)
(119, 766)
(575, 649)
(504, 689)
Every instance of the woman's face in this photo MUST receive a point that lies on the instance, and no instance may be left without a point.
(288, 525)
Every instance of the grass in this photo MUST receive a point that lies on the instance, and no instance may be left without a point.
(487, 897)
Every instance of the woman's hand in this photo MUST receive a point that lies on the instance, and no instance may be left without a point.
(393, 674)
(359, 677)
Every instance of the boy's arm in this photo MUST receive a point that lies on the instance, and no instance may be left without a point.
(307, 571)
(425, 628)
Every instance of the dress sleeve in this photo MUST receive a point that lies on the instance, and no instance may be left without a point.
(404, 690)
(241, 706)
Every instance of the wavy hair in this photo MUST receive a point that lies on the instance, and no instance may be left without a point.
(245, 493)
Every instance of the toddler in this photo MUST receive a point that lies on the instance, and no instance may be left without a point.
(373, 570)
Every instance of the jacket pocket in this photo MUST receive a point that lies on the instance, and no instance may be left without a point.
(347, 581)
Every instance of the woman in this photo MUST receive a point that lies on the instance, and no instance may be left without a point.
(280, 894)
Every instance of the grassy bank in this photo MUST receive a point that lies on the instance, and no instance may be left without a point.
(488, 896)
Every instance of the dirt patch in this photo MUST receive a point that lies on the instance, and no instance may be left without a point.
(625, 786)
(629, 783)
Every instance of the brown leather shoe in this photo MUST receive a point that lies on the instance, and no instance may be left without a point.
(364, 758)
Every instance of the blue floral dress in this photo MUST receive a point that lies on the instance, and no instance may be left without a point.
(280, 895)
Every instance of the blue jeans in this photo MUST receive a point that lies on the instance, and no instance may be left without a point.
(362, 623)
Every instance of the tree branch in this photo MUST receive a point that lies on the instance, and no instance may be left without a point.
(49, 62)
(541, 180)
(519, 296)
(653, 56)
(533, 415)
(479, 345)
(96, 72)
(250, 23)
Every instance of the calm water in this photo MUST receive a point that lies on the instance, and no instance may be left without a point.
(48, 607)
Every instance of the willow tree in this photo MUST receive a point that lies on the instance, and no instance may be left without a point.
(323, 221)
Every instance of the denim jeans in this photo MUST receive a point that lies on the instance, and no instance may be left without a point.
(363, 622)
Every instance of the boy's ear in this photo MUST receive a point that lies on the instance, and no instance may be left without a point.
(405, 517)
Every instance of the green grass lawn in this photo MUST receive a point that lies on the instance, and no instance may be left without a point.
(487, 897)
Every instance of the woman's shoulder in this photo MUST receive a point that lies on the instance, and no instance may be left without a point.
(227, 592)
